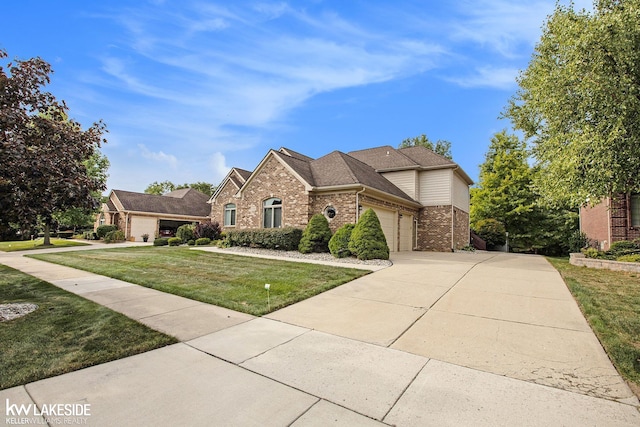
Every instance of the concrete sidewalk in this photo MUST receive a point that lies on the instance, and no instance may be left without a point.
(442, 339)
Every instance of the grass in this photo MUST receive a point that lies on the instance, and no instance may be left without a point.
(64, 334)
(610, 301)
(230, 281)
(24, 245)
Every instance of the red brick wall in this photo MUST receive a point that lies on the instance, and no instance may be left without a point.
(594, 222)
(344, 204)
(461, 232)
(434, 228)
(225, 196)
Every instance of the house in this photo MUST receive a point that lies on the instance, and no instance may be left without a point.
(614, 219)
(140, 213)
(420, 197)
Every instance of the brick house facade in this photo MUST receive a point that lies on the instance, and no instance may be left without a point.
(421, 198)
(612, 220)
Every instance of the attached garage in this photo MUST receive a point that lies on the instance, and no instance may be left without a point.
(406, 232)
(143, 225)
(388, 223)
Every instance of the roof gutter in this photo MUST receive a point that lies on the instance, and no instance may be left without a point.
(369, 190)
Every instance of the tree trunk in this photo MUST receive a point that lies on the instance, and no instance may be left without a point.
(47, 238)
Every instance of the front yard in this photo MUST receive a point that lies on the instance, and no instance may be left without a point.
(23, 245)
(65, 333)
(230, 281)
(610, 301)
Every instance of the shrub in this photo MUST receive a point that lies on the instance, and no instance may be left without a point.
(161, 241)
(191, 242)
(367, 239)
(185, 233)
(203, 241)
(210, 230)
(90, 235)
(591, 253)
(339, 243)
(174, 241)
(622, 248)
(114, 236)
(577, 241)
(102, 230)
(629, 258)
(65, 234)
(286, 239)
(491, 231)
(316, 235)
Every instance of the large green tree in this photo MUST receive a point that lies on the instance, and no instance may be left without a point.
(441, 146)
(579, 102)
(43, 168)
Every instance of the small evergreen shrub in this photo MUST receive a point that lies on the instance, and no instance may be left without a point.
(578, 240)
(203, 241)
(208, 229)
(629, 258)
(622, 248)
(185, 233)
(174, 241)
(367, 238)
(316, 236)
(161, 241)
(286, 239)
(114, 236)
(102, 230)
(339, 243)
(191, 242)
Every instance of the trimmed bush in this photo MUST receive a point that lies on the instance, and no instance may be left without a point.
(367, 239)
(174, 241)
(114, 236)
(286, 239)
(339, 243)
(185, 233)
(203, 241)
(316, 236)
(65, 234)
(161, 241)
(191, 242)
(629, 258)
(104, 229)
(210, 230)
(622, 248)
(491, 231)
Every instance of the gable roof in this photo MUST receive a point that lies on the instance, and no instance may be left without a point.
(389, 158)
(236, 176)
(187, 201)
(291, 153)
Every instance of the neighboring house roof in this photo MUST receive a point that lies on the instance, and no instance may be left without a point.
(187, 202)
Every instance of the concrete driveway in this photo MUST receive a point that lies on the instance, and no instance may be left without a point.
(436, 339)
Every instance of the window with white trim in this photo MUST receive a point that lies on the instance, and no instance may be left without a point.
(229, 214)
(272, 213)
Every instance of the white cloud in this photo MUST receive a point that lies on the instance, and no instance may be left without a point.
(159, 156)
(488, 76)
(219, 167)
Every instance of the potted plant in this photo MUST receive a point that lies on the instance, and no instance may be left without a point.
(145, 237)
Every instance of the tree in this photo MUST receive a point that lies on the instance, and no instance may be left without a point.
(579, 102)
(165, 187)
(339, 242)
(43, 168)
(441, 146)
(367, 238)
(316, 235)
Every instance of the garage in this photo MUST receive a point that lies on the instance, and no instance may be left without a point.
(387, 220)
(143, 225)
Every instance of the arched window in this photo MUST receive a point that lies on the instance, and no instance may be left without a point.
(272, 213)
(229, 214)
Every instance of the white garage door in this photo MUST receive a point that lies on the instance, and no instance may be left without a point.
(387, 220)
(143, 225)
(406, 232)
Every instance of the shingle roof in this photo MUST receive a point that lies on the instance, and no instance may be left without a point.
(301, 167)
(244, 174)
(290, 152)
(387, 157)
(186, 201)
(425, 157)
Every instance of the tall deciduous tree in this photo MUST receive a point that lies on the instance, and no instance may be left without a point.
(441, 146)
(579, 102)
(43, 168)
(165, 187)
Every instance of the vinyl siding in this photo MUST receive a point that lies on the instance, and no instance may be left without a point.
(404, 180)
(435, 187)
(460, 193)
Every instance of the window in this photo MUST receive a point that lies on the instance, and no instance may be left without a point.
(330, 212)
(229, 214)
(272, 213)
(635, 210)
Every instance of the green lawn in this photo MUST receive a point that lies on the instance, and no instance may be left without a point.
(64, 334)
(230, 281)
(23, 245)
(610, 301)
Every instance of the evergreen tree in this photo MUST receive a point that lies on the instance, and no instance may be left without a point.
(367, 238)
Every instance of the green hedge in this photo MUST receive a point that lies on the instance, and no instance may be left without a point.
(114, 236)
(174, 241)
(203, 241)
(161, 241)
(104, 229)
(286, 239)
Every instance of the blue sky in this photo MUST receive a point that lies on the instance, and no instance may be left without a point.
(189, 89)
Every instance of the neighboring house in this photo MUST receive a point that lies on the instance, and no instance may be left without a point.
(140, 213)
(421, 198)
(614, 219)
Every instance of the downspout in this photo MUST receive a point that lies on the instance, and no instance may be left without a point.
(126, 225)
